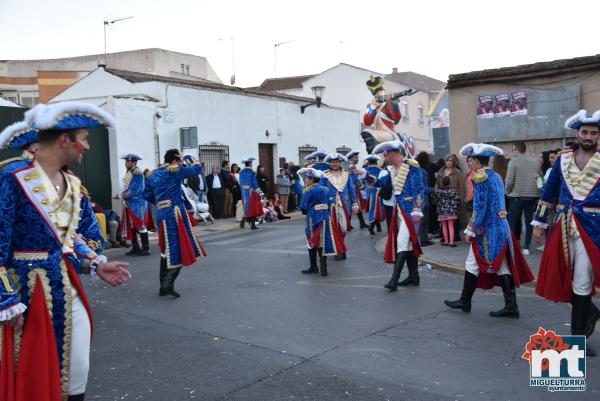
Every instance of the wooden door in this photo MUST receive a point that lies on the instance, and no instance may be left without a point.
(265, 159)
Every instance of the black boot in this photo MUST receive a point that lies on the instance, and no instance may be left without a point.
(312, 256)
(464, 302)
(372, 228)
(378, 224)
(78, 397)
(323, 260)
(361, 219)
(392, 285)
(412, 262)
(163, 270)
(253, 224)
(510, 298)
(168, 283)
(580, 317)
(145, 245)
(243, 222)
(135, 246)
(341, 256)
(593, 316)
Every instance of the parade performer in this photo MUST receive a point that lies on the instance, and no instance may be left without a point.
(321, 238)
(495, 256)
(135, 208)
(402, 182)
(178, 244)
(355, 175)
(383, 113)
(251, 194)
(570, 266)
(342, 198)
(21, 136)
(375, 205)
(320, 163)
(43, 217)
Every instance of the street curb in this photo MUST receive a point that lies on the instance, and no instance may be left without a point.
(236, 226)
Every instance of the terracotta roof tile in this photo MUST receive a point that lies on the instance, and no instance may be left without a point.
(277, 84)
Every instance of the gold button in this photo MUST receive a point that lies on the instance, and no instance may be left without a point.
(45, 201)
(27, 177)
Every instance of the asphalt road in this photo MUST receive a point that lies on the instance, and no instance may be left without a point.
(250, 327)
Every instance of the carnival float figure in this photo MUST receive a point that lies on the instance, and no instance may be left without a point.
(382, 115)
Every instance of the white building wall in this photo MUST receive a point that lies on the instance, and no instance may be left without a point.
(346, 87)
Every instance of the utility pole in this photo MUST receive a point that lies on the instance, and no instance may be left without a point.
(276, 46)
(106, 22)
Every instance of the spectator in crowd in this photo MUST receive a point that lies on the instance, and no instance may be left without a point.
(447, 201)
(429, 182)
(263, 179)
(500, 166)
(297, 186)
(457, 183)
(197, 184)
(216, 193)
(279, 209)
(521, 188)
(225, 176)
(269, 210)
(469, 189)
(283, 187)
(548, 159)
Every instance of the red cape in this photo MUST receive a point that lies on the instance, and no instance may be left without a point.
(390, 247)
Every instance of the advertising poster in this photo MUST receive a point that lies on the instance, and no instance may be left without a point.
(486, 107)
(519, 104)
(502, 106)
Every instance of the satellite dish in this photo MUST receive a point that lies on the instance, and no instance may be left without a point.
(232, 79)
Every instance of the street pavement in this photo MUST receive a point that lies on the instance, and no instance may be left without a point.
(249, 326)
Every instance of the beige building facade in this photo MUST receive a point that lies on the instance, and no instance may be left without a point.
(554, 91)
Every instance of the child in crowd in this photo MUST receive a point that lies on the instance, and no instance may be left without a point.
(269, 210)
(448, 201)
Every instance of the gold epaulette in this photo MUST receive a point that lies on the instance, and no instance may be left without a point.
(413, 163)
(564, 151)
(137, 170)
(8, 161)
(85, 192)
(148, 172)
(172, 168)
(480, 177)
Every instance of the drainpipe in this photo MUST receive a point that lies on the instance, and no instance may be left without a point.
(164, 104)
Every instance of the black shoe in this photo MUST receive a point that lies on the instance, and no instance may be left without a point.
(124, 244)
(134, 251)
(372, 229)
(392, 285)
(253, 227)
(593, 316)
(323, 260)
(426, 243)
(143, 252)
(341, 256)
(172, 293)
(243, 222)
(135, 246)
(361, 219)
(145, 245)
(464, 302)
(510, 310)
(313, 268)
(378, 225)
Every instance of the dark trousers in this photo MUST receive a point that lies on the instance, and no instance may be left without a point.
(389, 211)
(516, 207)
(424, 226)
(216, 199)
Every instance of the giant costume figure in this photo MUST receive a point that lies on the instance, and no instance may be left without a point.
(251, 194)
(178, 244)
(495, 256)
(342, 197)
(403, 182)
(570, 266)
(135, 207)
(382, 115)
(321, 238)
(43, 250)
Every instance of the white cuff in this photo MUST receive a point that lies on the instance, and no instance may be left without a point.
(469, 233)
(11, 312)
(536, 223)
(417, 213)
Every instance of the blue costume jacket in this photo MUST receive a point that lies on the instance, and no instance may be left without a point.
(31, 248)
(321, 166)
(408, 189)
(248, 183)
(176, 238)
(133, 193)
(341, 190)
(372, 190)
(488, 223)
(319, 232)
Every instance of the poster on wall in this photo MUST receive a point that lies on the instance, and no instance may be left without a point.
(502, 107)
(486, 107)
(519, 104)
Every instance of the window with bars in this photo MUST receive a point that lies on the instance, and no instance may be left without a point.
(343, 150)
(213, 155)
(304, 151)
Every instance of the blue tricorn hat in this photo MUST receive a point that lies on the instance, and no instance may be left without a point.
(310, 172)
(18, 136)
(71, 115)
(335, 156)
(352, 153)
(131, 157)
(248, 160)
(480, 149)
(372, 158)
(582, 118)
(389, 146)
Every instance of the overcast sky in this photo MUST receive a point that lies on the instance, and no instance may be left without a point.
(435, 38)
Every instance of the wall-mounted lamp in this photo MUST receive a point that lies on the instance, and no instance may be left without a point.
(318, 91)
(267, 133)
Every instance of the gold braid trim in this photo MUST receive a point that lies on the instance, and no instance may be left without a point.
(68, 332)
